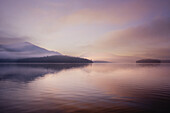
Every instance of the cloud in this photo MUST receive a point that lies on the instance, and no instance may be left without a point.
(66, 25)
(42, 18)
(147, 38)
(7, 38)
(24, 50)
(160, 53)
(118, 13)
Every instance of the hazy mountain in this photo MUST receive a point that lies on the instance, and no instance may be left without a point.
(24, 50)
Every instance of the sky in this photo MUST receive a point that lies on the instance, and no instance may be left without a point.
(112, 30)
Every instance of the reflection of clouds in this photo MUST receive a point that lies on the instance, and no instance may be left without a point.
(96, 88)
(107, 86)
(109, 67)
(126, 80)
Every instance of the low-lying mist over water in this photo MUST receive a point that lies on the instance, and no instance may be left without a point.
(93, 88)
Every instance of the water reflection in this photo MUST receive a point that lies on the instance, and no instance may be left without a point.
(29, 72)
(74, 88)
(148, 64)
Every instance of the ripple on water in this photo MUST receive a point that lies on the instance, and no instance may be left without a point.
(93, 89)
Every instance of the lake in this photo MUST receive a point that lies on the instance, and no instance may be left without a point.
(84, 88)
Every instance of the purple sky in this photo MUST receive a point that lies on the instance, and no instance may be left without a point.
(114, 30)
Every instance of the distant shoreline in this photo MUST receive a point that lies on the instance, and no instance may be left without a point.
(48, 59)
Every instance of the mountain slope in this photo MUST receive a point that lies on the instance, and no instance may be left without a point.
(24, 50)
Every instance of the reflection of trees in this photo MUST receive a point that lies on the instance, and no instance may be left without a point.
(148, 65)
(29, 72)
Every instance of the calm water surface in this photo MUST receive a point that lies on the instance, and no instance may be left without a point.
(84, 88)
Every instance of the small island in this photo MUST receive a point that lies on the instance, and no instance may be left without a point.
(149, 61)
